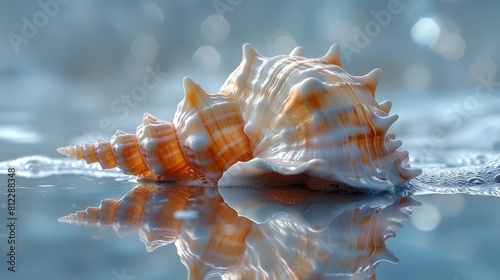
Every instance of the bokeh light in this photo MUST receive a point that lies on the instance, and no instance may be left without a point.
(426, 217)
(280, 42)
(207, 57)
(441, 34)
(154, 13)
(215, 29)
(425, 32)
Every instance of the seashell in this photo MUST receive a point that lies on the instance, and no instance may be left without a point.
(276, 120)
(289, 241)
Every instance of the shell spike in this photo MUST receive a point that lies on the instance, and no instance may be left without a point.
(249, 53)
(189, 84)
(385, 255)
(194, 94)
(386, 122)
(371, 79)
(119, 132)
(383, 122)
(402, 156)
(407, 173)
(394, 144)
(297, 51)
(385, 106)
(148, 118)
(333, 55)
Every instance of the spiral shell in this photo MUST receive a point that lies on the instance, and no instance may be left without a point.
(305, 118)
(284, 233)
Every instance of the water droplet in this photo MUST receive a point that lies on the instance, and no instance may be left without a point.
(476, 180)
(497, 178)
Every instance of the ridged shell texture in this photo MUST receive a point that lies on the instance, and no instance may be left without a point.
(276, 120)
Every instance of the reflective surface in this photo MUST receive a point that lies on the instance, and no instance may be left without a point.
(79, 76)
(293, 230)
(284, 232)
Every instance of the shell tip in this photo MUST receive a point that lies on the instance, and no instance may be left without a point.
(297, 51)
(409, 173)
(402, 156)
(66, 151)
(119, 132)
(62, 150)
(193, 92)
(333, 55)
(66, 219)
(385, 106)
(187, 81)
(190, 85)
(148, 115)
(371, 79)
(249, 53)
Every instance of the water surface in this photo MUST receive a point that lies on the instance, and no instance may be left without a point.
(67, 85)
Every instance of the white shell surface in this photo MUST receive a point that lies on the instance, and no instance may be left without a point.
(308, 116)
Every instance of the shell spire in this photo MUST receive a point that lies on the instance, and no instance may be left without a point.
(121, 151)
(100, 152)
(153, 152)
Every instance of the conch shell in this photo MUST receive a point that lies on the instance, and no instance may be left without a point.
(290, 115)
(283, 233)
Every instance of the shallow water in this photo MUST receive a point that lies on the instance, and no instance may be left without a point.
(59, 89)
(452, 236)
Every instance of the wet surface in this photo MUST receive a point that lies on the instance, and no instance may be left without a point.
(74, 81)
(455, 234)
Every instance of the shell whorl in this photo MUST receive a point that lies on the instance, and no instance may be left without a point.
(210, 131)
(307, 115)
(274, 116)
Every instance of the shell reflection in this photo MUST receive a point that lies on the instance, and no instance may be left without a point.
(277, 233)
